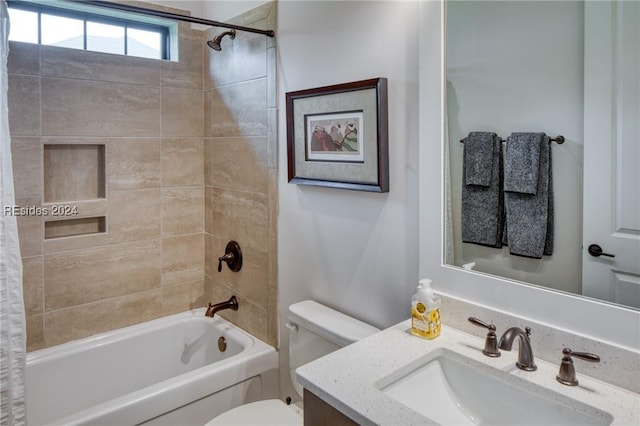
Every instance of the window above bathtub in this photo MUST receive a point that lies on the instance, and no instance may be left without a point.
(78, 26)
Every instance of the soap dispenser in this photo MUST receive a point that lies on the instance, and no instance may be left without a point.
(425, 311)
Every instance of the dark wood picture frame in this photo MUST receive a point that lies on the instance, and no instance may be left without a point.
(371, 171)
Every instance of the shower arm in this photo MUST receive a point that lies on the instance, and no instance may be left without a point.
(169, 15)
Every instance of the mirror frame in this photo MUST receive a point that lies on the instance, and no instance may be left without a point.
(579, 315)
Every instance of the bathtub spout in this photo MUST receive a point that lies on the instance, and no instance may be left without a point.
(229, 304)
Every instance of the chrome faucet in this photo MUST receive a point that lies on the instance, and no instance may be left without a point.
(229, 304)
(525, 354)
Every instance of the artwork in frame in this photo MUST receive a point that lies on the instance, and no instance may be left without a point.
(334, 137)
(337, 136)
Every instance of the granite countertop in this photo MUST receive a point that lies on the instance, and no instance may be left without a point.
(348, 379)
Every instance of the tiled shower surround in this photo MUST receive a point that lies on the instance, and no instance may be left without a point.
(185, 154)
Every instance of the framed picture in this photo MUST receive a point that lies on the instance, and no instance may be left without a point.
(337, 136)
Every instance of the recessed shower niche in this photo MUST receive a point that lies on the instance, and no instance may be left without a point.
(70, 227)
(73, 172)
(74, 189)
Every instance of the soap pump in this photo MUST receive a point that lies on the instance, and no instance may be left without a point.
(425, 311)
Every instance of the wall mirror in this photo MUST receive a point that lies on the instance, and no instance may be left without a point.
(563, 68)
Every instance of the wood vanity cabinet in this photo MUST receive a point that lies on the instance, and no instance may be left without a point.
(319, 413)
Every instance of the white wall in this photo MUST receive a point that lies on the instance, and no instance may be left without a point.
(221, 10)
(193, 6)
(517, 66)
(215, 10)
(353, 251)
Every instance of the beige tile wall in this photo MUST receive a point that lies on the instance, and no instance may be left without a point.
(149, 116)
(240, 169)
(173, 198)
(191, 163)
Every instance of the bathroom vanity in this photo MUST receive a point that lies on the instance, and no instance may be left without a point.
(393, 377)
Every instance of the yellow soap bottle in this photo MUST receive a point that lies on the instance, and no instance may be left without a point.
(425, 311)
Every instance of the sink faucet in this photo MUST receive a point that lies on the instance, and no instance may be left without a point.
(525, 354)
(229, 304)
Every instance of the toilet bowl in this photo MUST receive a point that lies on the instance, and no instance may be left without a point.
(314, 330)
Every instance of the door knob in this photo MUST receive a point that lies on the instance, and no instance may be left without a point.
(596, 251)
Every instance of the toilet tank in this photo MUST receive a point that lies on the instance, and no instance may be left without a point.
(316, 330)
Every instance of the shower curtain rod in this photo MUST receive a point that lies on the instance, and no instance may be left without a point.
(169, 15)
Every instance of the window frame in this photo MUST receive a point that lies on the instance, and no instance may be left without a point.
(164, 31)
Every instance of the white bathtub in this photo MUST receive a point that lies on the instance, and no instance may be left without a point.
(167, 371)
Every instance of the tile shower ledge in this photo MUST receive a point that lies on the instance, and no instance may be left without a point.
(346, 379)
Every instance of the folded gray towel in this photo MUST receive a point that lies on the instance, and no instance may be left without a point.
(478, 157)
(522, 160)
(529, 217)
(483, 206)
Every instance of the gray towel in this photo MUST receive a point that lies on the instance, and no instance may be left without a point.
(483, 206)
(522, 161)
(478, 157)
(529, 217)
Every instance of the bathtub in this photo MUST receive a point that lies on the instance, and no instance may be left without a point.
(168, 371)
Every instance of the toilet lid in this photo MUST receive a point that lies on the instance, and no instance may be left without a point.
(268, 412)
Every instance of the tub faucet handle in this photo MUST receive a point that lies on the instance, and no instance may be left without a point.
(491, 342)
(232, 256)
(226, 258)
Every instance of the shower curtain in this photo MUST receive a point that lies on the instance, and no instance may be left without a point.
(12, 322)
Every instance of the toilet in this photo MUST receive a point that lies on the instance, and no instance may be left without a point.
(314, 330)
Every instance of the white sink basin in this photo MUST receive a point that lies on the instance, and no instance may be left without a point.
(452, 389)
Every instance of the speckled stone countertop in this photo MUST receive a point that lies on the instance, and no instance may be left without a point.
(349, 379)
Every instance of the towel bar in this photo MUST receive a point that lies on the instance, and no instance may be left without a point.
(558, 139)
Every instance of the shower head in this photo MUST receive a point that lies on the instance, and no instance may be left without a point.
(215, 43)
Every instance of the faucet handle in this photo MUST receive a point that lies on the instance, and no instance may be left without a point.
(491, 342)
(228, 257)
(567, 373)
(233, 257)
